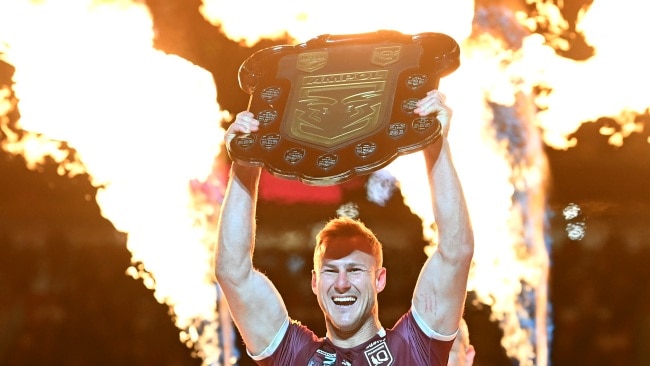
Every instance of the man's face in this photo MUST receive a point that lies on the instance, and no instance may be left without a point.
(347, 288)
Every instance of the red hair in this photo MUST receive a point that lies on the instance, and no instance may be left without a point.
(345, 227)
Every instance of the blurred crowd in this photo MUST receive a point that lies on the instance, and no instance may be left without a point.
(64, 305)
(601, 303)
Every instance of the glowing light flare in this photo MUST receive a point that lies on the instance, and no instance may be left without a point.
(571, 211)
(143, 124)
(303, 20)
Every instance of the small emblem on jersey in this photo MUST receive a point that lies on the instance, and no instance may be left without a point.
(378, 354)
(322, 358)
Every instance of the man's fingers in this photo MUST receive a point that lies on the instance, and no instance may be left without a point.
(244, 123)
(434, 104)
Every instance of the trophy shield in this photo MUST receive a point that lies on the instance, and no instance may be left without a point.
(340, 106)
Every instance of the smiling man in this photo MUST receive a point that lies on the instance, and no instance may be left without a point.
(348, 274)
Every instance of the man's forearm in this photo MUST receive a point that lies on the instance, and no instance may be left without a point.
(237, 222)
(449, 205)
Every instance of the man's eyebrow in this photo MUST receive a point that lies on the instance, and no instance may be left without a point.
(345, 265)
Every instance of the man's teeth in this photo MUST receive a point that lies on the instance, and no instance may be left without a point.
(348, 300)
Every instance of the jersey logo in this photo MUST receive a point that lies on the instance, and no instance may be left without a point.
(322, 358)
(378, 354)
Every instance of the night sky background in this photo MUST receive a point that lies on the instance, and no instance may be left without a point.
(65, 298)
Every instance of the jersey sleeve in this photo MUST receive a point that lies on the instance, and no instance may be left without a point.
(293, 342)
(430, 332)
(420, 345)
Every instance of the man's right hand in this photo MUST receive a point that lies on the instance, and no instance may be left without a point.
(243, 124)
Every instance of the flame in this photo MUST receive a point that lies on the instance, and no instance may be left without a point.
(141, 123)
(303, 20)
(610, 83)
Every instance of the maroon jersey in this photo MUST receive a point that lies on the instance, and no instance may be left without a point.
(403, 345)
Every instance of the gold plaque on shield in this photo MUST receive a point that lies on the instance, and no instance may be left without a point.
(339, 106)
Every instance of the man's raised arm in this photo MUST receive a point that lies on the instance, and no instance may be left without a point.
(440, 292)
(256, 307)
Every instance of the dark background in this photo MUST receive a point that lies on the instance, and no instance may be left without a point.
(65, 299)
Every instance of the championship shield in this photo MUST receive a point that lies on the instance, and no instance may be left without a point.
(339, 106)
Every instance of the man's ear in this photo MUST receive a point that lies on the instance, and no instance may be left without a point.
(313, 281)
(380, 281)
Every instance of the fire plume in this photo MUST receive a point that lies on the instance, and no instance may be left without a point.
(100, 100)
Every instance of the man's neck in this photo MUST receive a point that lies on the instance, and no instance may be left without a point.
(350, 340)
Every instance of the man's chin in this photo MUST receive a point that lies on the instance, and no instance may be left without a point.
(345, 325)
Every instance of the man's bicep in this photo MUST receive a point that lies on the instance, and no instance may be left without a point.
(439, 295)
(257, 310)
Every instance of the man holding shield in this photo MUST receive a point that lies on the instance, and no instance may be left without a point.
(348, 274)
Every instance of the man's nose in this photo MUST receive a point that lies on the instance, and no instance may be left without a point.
(342, 281)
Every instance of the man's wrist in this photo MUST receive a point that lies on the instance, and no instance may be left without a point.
(245, 172)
